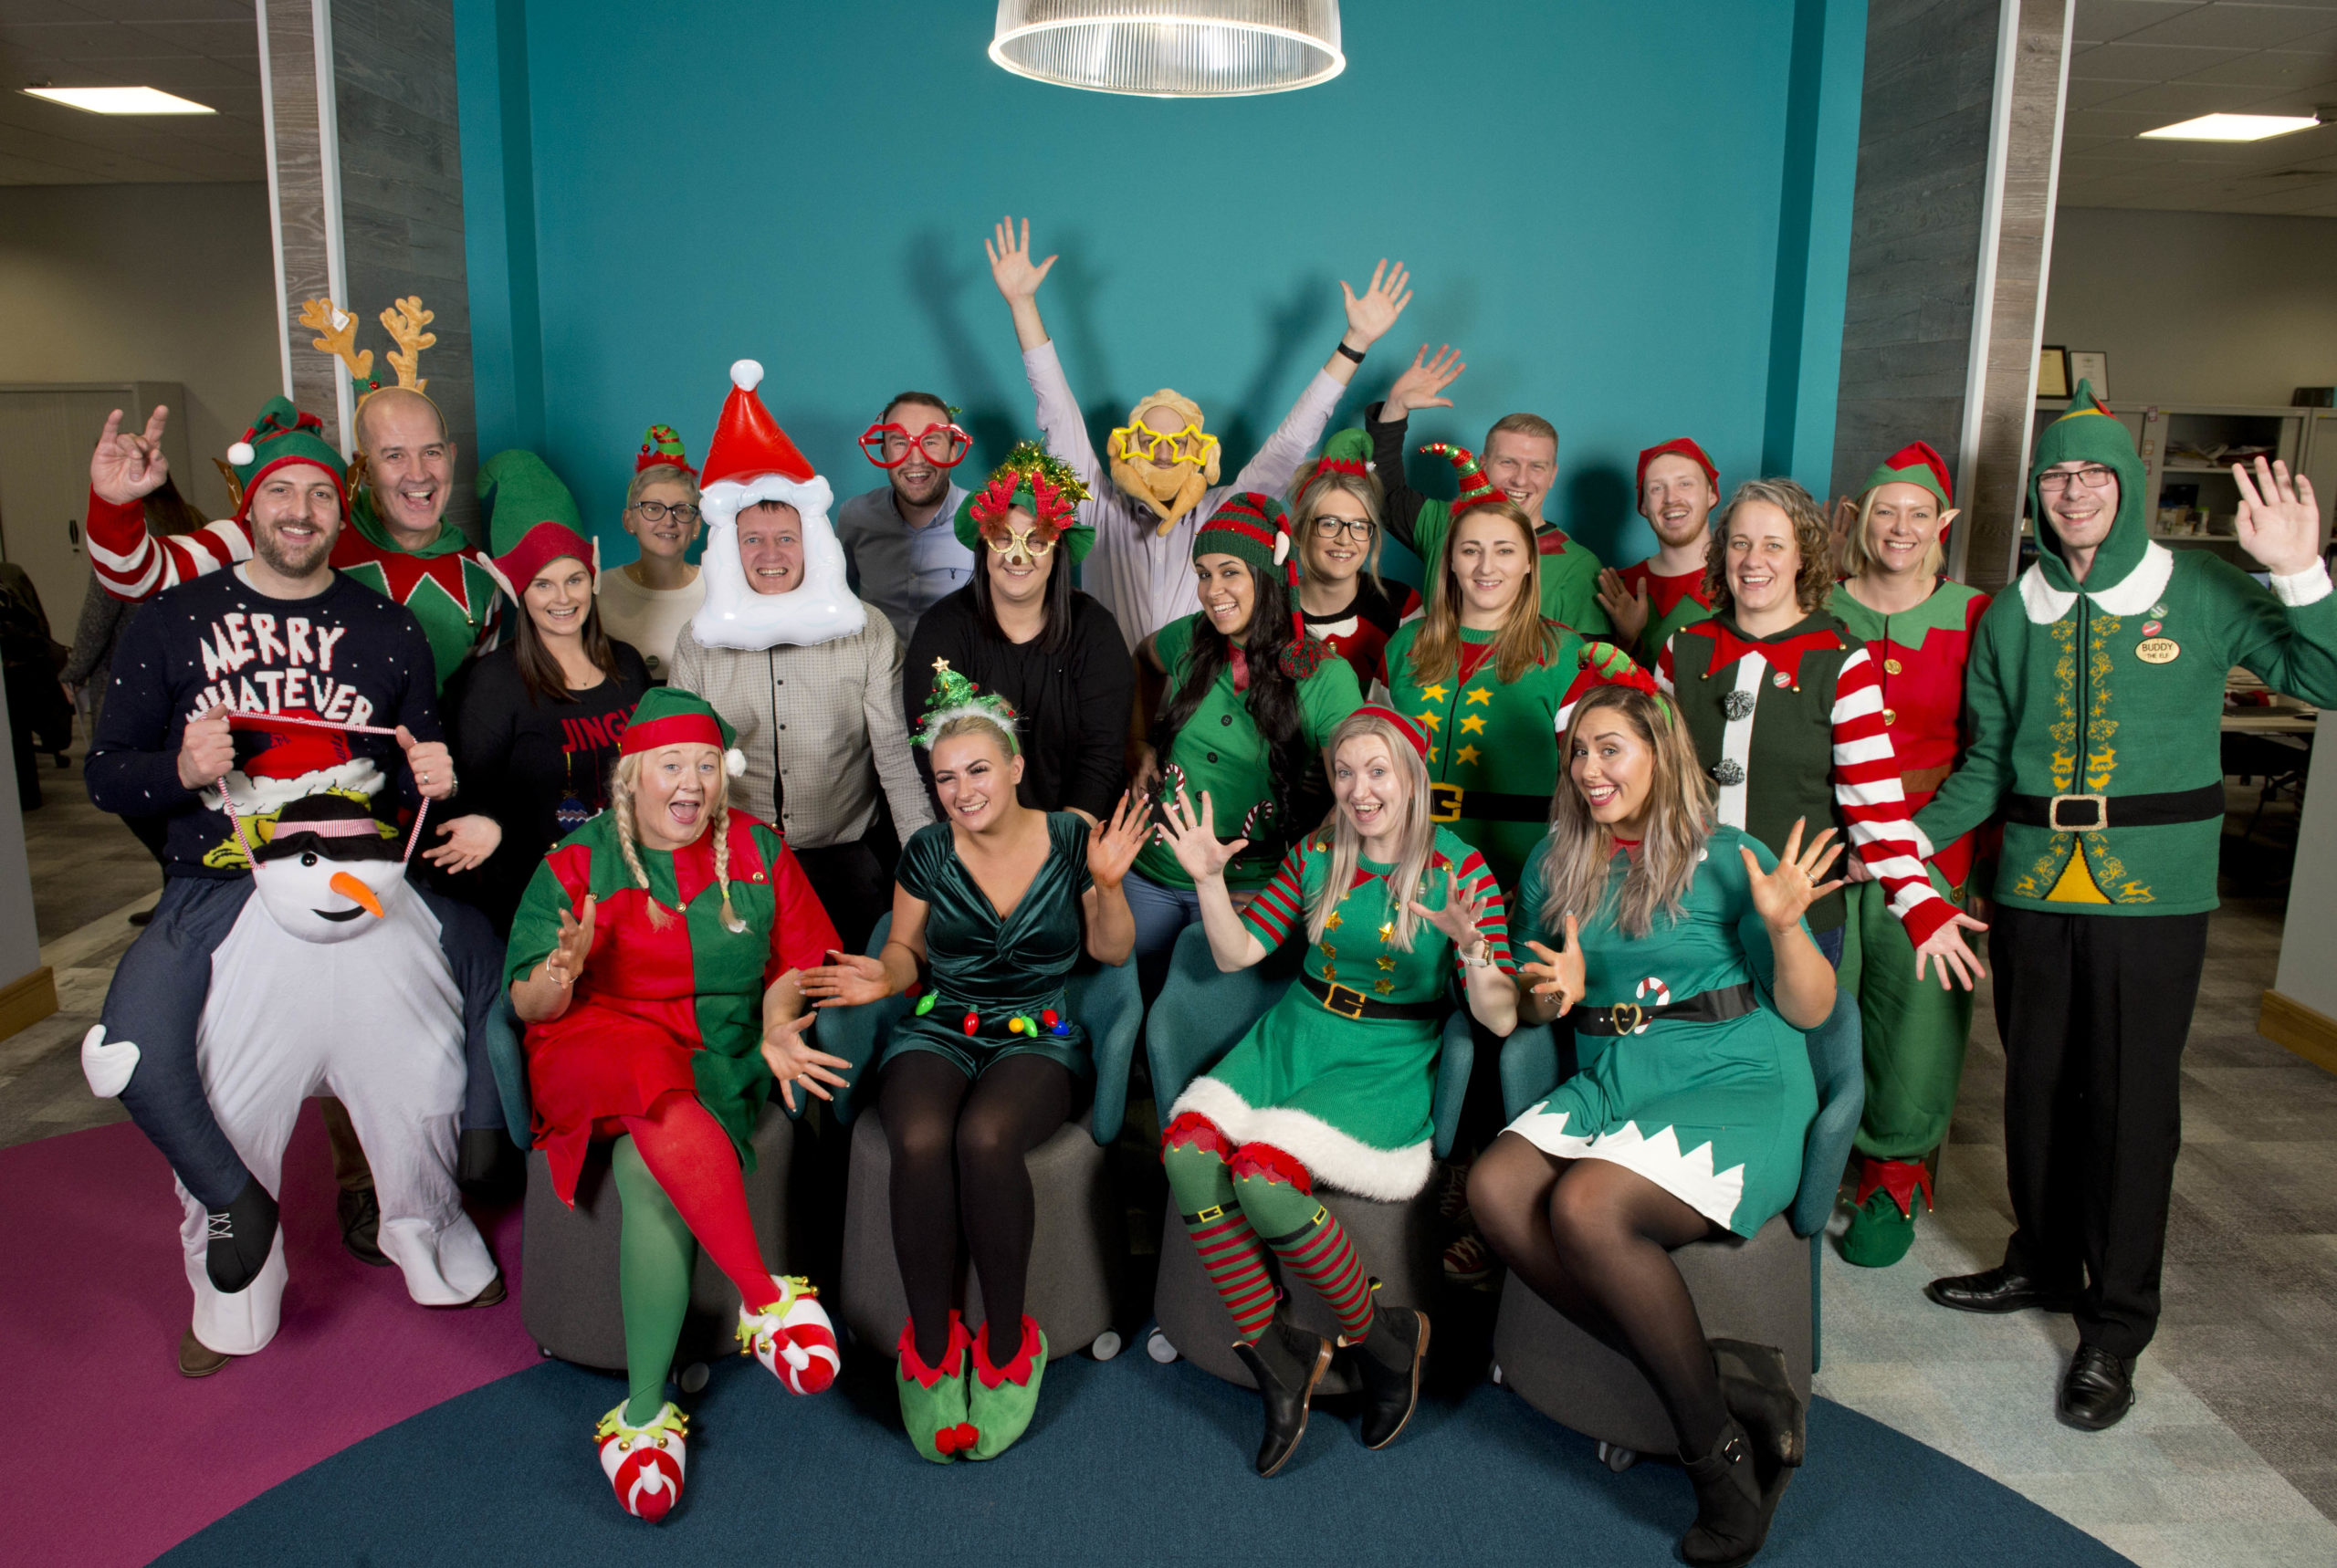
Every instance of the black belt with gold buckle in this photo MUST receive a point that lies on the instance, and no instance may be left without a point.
(2078, 813)
(1451, 802)
(1350, 1003)
(1628, 1018)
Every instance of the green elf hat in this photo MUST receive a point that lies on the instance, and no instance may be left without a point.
(1475, 489)
(1346, 451)
(662, 447)
(530, 519)
(668, 715)
(282, 437)
(2087, 432)
(1040, 483)
(1253, 527)
(1915, 463)
(955, 697)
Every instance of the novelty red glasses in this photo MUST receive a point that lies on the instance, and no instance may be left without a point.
(889, 445)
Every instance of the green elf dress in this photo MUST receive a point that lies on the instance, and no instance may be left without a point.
(1714, 1113)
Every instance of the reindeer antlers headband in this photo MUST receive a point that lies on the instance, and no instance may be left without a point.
(403, 320)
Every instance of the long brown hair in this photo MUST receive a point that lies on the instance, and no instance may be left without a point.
(1524, 639)
(540, 673)
(1811, 537)
(1679, 820)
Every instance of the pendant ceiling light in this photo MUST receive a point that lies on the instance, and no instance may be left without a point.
(1171, 48)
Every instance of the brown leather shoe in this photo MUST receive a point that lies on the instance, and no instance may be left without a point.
(493, 1296)
(197, 1359)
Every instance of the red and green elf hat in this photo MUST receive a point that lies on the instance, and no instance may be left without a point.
(282, 437)
(662, 447)
(668, 715)
(1409, 728)
(1475, 489)
(1915, 463)
(1346, 451)
(530, 519)
(1680, 446)
(1039, 482)
(1253, 527)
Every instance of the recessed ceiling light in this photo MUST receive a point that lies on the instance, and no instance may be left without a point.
(2232, 128)
(120, 100)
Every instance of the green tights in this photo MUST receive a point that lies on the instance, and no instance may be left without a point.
(656, 1255)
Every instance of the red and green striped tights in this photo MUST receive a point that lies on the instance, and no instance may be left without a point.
(1238, 1201)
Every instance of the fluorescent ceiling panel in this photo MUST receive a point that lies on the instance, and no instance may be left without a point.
(2232, 128)
(120, 100)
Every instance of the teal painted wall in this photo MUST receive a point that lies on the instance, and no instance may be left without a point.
(1632, 219)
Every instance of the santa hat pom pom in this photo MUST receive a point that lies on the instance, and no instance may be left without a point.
(239, 455)
(747, 374)
(734, 763)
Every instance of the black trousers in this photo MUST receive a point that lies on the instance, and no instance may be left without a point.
(853, 887)
(2094, 1009)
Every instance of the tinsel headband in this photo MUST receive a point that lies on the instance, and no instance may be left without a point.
(954, 698)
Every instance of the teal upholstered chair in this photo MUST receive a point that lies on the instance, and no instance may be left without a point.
(1763, 1288)
(1201, 1014)
(1077, 1238)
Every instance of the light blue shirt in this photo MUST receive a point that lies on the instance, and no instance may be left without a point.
(899, 567)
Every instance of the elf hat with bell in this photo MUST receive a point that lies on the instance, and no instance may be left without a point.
(1476, 490)
(662, 447)
(667, 716)
(752, 460)
(1915, 463)
(282, 435)
(530, 519)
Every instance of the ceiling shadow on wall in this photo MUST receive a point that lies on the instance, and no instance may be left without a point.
(940, 284)
(1598, 507)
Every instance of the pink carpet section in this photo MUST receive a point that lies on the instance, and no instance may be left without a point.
(132, 1458)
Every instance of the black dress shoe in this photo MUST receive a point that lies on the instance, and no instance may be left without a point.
(241, 1236)
(361, 1226)
(1388, 1364)
(1759, 1392)
(1287, 1362)
(1997, 1290)
(2097, 1391)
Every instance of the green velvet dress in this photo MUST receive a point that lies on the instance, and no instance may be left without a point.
(998, 972)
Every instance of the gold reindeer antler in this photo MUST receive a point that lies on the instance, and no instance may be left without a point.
(404, 322)
(338, 338)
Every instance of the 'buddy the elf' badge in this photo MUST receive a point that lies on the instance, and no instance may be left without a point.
(2157, 649)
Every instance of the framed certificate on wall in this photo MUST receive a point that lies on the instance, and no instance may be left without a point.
(2091, 365)
(2052, 372)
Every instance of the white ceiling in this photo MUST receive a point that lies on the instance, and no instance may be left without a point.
(2136, 65)
(207, 50)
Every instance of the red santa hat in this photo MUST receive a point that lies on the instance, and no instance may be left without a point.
(752, 460)
(1680, 446)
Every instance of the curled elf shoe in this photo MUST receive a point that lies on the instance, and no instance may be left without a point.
(1882, 1218)
(933, 1398)
(1760, 1394)
(644, 1463)
(792, 1337)
(1286, 1362)
(1733, 1502)
(1388, 1364)
(1001, 1400)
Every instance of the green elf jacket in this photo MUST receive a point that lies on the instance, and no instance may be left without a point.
(2099, 703)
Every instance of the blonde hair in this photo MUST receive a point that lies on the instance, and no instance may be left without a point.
(1524, 639)
(1364, 487)
(659, 474)
(972, 723)
(1416, 839)
(1521, 424)
(624, 780)
(1810, 537)
(1678, 822)
(1857, 559)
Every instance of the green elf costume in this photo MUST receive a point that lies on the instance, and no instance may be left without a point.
(1492, 759)
(659, 1048)
(1569, 572)
(1914, 1032)
(1334, 1084)
(2096, 703)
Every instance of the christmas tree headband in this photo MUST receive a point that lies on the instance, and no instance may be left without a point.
(955, 697)
(1038, 482)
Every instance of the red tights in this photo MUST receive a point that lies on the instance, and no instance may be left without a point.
(693, 1159)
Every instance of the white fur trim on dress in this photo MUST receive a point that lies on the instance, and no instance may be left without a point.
(820, 609)
(1330, 1157)
(1689, 1177)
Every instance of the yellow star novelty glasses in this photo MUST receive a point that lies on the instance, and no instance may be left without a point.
(1141, 441)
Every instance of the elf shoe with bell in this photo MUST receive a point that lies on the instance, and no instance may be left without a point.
(792, 1336)
(1882, 1218)
(644, 1463)
(1002, 1399)
(933, 1398)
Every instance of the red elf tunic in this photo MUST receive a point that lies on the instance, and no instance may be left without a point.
(1671, 602)
(665, 1005)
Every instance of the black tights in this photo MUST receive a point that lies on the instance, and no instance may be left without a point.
(1595, 1241)
(959, 1147)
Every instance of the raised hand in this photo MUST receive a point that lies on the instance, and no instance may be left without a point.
(1625, 607)
(846, 980)
(128, 466)
(1781, 896)
(792, 1061)
(2280, 520)
(1009, 261)
(1192, 837)
(1458, 919)
(566, 964)
(469, 841)
(1372, 312)
(432, 764)
(1946, 951)
(1418, 387)
(1558, 975)
(206, 748)
(1112, 847)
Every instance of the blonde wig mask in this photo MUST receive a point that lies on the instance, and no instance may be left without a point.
(1178, 487)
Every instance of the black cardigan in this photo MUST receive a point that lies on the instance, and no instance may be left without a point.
(1073, 702)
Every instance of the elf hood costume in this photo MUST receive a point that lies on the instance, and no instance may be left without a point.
(752, 460)
(2097, 705)
(530, 519)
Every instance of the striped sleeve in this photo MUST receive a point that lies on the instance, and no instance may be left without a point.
(1281, 904)
(1868, 794)
(1478, 880)
(1663, 665)
(133, 564)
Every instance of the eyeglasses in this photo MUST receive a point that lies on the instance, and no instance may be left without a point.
(1022, 542)
(2094, 476)
(1142, 441)
(1330, 530)
(655, 511)
(888, 445)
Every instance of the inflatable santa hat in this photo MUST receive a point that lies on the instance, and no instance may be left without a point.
(752, 460)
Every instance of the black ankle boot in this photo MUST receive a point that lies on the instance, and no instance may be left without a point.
(241, 1235)
(1753, 1381)
(1387, 1362)
(1732, 1515)
(1287, 1362)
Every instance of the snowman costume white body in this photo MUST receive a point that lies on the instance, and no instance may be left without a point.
(314, 993)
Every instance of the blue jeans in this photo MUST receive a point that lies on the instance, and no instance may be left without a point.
(1830, 943)
(1161, 912)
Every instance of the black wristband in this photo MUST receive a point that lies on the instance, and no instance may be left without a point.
(1355, 354)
